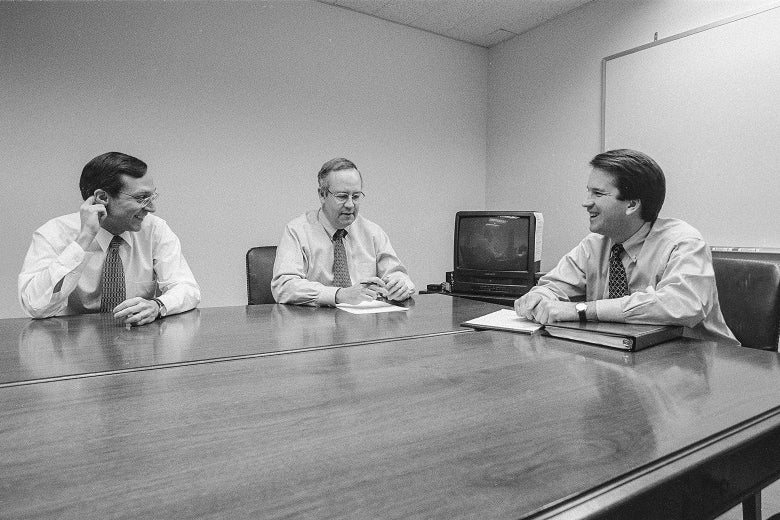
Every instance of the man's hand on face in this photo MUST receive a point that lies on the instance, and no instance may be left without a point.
(92, 214)
(364, 291)
(137, 311)
(398, 287)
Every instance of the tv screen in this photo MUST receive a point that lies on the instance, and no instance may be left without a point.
(493, 243)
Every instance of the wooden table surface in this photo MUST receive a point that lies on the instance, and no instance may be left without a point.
(480, 425)
(69, 346)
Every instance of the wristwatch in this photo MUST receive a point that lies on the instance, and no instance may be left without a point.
(163, 311)
(581, 307)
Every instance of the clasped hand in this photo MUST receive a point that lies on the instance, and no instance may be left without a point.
(533, 306)
(393, 287)
(137, 311)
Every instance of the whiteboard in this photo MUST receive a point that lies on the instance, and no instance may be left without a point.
(705, 105)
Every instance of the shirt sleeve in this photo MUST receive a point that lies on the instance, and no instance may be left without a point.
(179, 290)
(289, 283)
(566, 280)
(49, 276)
(683, 296)
(387, 262)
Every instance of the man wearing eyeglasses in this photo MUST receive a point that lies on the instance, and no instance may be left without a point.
(112, 256)
(332, 255)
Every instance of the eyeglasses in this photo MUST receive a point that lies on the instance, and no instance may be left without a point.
(143, 200)
(342, 197)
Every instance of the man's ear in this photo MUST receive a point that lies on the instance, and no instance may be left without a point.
(634, 206)
(101, 197)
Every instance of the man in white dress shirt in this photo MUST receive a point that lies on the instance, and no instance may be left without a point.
(634, 266)
(333, 255)
(63, 272)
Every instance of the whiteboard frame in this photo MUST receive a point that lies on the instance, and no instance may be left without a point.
(603, 136)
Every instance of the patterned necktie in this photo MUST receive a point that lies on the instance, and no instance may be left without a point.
(340, 268)
(618, 283)
(113, 280)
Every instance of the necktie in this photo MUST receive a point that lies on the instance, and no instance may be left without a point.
(618, 283)
(340, 268)
(113, 280)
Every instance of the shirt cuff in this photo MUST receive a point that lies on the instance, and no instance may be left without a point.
(611, 309)
(327, 296)
(72, 256)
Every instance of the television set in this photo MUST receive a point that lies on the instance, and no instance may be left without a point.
(497, 252)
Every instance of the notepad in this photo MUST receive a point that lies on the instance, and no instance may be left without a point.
(369, 307)
(505, 319)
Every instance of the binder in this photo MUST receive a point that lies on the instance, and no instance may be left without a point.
(623, 336)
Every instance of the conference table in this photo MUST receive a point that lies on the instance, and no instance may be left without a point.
(275, 411)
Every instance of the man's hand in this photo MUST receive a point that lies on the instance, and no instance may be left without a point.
(364, 291)
(526, 304)
(533, 306)
(92, 215)
(137, 311)
(398, 286)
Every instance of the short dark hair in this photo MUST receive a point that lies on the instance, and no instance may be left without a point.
(335, 165)
(103, 172)
(637, 177)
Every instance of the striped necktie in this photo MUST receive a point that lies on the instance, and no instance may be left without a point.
(340, 268)
(618, 283)
(113, 279)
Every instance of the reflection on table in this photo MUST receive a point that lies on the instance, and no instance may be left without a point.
(487, 424)
(76, 345)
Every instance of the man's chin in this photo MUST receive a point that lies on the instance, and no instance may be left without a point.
(136, 224)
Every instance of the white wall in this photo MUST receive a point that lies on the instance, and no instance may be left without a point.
(235, 106)
(544, 100)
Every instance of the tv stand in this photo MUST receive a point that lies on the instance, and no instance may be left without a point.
(500, 299)
(487, 298)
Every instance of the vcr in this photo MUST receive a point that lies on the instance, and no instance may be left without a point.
(490, 288)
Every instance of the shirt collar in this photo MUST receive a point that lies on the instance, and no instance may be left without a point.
(633, 245)
(330, 230)
(104, 237)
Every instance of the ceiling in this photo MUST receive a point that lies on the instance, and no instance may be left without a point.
(481, 22)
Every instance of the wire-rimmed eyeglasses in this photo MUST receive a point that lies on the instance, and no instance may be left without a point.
(343, 197)
(143, 200)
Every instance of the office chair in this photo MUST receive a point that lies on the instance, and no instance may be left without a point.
(259, 271)
(749, 294)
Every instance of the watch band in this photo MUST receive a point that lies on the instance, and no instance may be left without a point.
(581, 311)
(161, 308)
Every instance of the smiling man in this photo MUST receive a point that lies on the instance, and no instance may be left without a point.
(333, 255)
(112, 256)
(634, 267)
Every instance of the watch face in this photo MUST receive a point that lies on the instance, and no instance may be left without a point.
(580, 307)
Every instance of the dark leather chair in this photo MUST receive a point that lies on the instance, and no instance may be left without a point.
(749, 294)
(259, 271)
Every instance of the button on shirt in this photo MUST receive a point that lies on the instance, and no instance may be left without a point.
(670, 280)
(303, 270)
(59, 277)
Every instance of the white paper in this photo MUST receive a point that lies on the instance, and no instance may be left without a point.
(505, 319)
(369, 307)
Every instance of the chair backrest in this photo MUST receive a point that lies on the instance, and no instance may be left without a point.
(749, 295)
(259, 271)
